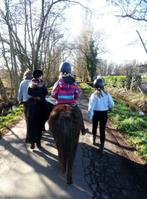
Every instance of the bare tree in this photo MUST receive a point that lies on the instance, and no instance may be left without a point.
(30, 37)
(142, 41)
(134, 9)
(3, 95)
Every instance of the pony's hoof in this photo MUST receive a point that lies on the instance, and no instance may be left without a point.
(38, 144)
(32, 146)
(69, 181)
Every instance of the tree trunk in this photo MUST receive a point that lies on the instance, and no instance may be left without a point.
(2, 91)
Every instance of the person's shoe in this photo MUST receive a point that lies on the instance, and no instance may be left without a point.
(32, 145)
(84, 131)
(94, 143)
(94, 138)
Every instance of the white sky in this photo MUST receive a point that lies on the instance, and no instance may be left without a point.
(122, 41)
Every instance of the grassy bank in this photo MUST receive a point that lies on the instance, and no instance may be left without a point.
(11, 119)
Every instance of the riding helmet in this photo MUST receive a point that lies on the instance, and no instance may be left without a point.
(65, 68)
(99, 83)
(37, 73)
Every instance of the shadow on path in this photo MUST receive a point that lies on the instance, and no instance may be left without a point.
(113, 176)
(46, 166)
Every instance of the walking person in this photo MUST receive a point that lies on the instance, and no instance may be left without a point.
(23, 95)
(67, 91)
(39, 109)
(100, 103)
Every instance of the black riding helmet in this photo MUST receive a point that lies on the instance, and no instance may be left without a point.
(37, 73)
(99, 83)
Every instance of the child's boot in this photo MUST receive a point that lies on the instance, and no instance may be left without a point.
(102, 148)
(94, 138)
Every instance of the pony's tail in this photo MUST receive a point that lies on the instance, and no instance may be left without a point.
(66, 133)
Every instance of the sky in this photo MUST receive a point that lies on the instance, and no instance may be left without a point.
(121, 40)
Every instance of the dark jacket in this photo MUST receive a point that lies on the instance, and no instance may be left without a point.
(37, 88)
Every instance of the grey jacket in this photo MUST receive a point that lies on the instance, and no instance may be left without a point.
(23, 91)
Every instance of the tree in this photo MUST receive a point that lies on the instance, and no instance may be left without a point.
(3, 95)
(32, 37)
(91, 59)
(89, 47)
(133, 9)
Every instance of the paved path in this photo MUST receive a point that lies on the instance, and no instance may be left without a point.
(27, 174)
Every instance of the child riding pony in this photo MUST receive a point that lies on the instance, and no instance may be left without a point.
(66, 119)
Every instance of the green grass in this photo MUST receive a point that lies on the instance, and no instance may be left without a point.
(10, 119)
(144, 79)
(86, 88)
(131, 124)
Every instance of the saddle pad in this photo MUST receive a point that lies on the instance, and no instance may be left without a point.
(51, 100)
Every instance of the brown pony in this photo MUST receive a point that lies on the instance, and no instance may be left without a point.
(65, 124)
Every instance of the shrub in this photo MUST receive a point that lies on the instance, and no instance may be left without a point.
(115, 81)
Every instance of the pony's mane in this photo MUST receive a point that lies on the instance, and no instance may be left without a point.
(62, 107)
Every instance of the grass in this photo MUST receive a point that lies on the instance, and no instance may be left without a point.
(86, 88)
(133, 125)
(11, 119)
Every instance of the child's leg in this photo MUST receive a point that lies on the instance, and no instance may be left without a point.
(94, 126)
(83, 129)
(103, 122)
(46, 110)
(26, 119)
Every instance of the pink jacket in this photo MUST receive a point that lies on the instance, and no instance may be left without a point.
(66, 93)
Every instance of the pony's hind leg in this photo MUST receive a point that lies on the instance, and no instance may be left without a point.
(69, 172)
(62, 161)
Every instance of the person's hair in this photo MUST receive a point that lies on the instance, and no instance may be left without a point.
(27, 74)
